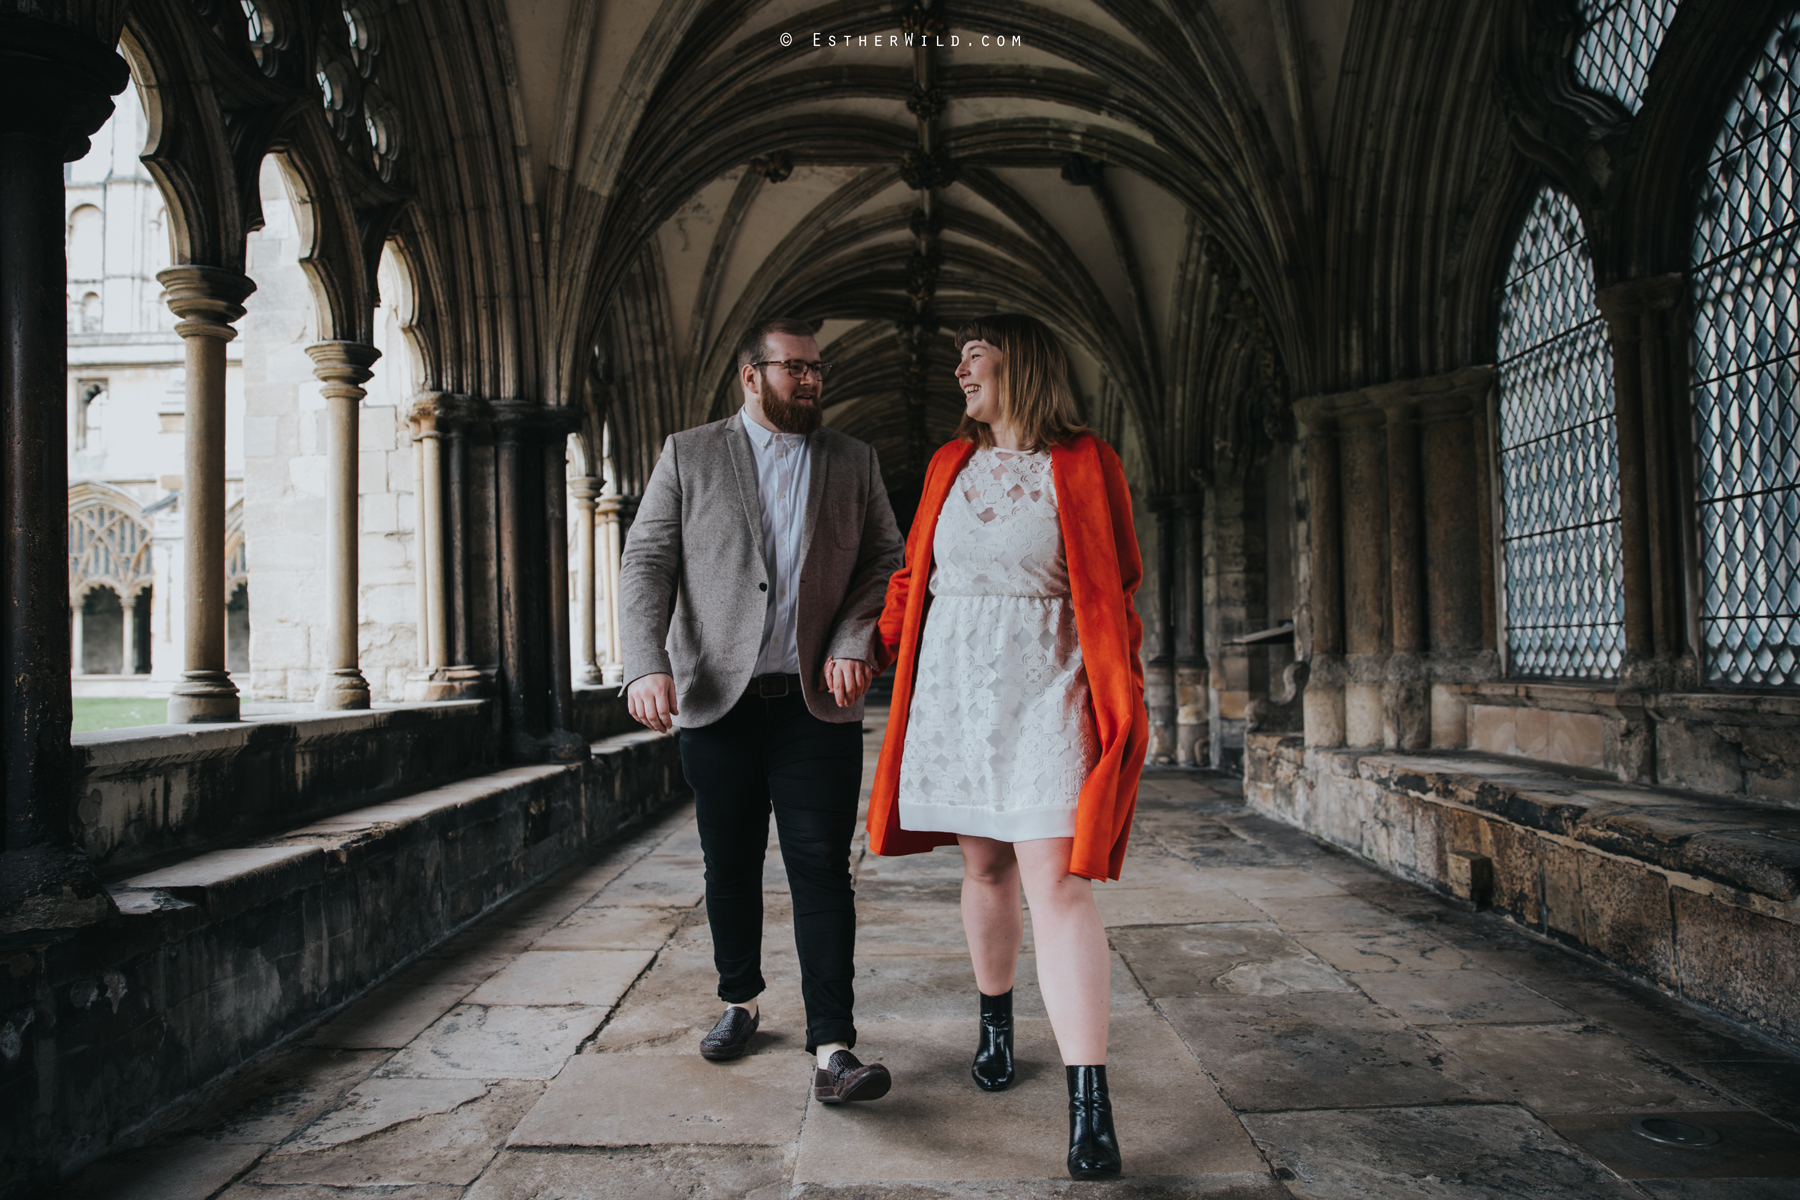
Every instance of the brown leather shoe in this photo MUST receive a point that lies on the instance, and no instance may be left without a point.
(731, 1036)
(846, 1079)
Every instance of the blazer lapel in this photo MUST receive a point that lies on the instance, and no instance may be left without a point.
(743, 464)
(816, 466)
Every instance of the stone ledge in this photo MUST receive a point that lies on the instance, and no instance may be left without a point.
(161, 793)
(213, 959)
(1740, 845)
(1661, 883)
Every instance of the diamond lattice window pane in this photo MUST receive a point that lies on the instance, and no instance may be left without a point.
(1618, 43)
(1559, 456)
(1746, 398)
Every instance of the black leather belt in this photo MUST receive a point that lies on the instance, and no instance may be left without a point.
(771, 687)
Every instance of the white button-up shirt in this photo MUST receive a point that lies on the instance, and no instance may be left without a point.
(783, 472)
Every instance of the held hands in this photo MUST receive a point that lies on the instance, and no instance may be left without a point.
(847, 679)
(651, 699)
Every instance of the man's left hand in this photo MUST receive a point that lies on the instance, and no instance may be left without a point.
(847, 679)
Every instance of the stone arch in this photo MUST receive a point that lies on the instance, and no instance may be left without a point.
(87, 243)
(109, 542)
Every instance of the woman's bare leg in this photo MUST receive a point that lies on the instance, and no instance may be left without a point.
(1073, 962)
(992, 917)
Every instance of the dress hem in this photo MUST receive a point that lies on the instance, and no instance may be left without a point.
(1010, 825)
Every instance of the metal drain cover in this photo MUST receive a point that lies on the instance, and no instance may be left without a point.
(1673, 1131)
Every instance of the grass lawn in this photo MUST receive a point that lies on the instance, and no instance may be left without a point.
(107, 712)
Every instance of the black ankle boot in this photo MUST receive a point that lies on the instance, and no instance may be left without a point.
(993, 1067)
(1093, 1146)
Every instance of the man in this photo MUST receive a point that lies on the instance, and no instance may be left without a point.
(752, 582)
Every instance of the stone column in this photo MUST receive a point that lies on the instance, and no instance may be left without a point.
(208, 300)
(613, 513)
(421, 559)
(128, 636)
(1649, 335)
(1193, 702)
(343, 367)
(1323, 706)
(584, 491)
(456, 546)
(1159, 672)
(1405, 707)
(55, 89)
(78, 635)
(564, 744)
(1363, 465)
(444, 674)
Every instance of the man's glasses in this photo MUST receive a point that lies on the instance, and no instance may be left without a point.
(798, 367)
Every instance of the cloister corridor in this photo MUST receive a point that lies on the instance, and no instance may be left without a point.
(1287, 1022)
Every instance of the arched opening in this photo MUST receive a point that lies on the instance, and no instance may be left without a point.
(1559, 456)
(102, 632)
(237, 630)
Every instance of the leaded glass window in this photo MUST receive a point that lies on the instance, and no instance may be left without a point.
(1746, 412)
(1618, 44)
(1559, 461)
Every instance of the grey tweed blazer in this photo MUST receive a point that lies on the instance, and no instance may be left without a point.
(693, 589)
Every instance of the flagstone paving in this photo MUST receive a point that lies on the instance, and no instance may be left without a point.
(1287, 1022)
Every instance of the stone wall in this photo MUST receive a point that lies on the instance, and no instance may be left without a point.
(214, 959)
(1697, 895)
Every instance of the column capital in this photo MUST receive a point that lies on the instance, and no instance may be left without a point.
(207, 299)
(584, 489)
(616, 506)
(342, 363)
(1623, 303)
(57, 79)
(519, 419)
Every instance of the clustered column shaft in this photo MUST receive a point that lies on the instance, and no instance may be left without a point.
(583, 492)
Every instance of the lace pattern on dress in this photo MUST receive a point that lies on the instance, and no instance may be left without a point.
(1000, 734)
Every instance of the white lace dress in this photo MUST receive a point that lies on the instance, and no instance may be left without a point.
(1000, 735)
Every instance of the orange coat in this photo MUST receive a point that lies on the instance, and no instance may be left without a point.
(1094, 509)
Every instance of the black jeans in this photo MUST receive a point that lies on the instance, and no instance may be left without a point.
(768, 755)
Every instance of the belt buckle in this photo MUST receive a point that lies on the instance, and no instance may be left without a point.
(766, 683)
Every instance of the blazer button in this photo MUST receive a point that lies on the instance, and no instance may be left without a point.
(762, 587)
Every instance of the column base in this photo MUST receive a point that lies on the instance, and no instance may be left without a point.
(203, 697)
(446, 683)
(590, 676)
(1159, 698)
(44, 888)
(344, 689)
(613, 675)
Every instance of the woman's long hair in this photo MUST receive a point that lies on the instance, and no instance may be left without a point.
(1035, 397)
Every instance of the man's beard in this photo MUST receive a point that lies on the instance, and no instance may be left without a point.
(790, 416)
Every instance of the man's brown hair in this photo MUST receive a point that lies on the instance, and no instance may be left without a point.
(1035, 397)
(753, 346)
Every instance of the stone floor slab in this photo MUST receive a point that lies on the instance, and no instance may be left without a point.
(502, 1042)
(1223, 960)
(1458, 997)
(1329, 1049)
(1362, 950)
(1166, 1187)
(449, 1147)
(1486, 1152)
(277, 1095)
(1574, 1069)
(936, 1124)
(1288, 883)
(177, 1169)
(1772, 1087)
(1749, 1146)
(283, 1191)
(377, 1104)
(1182, 900)
(615, 927)
(676, 1002)
(639, 1173)
(1298, 914)
(657, 881)
(391, 1016)
(551, 977)
(644, 1099)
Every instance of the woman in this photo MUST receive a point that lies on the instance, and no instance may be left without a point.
(1018, 724)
